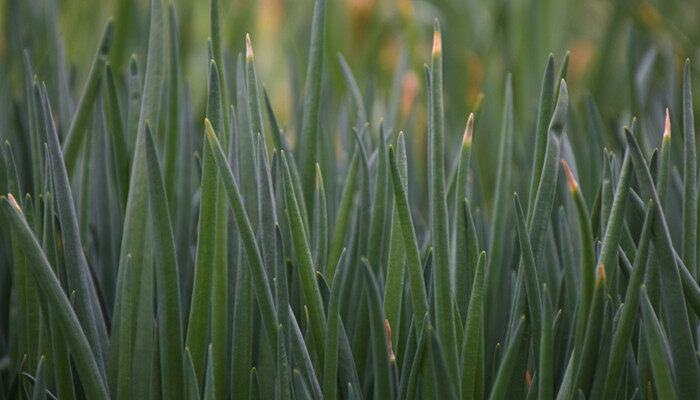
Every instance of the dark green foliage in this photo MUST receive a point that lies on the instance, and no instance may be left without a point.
(169, 229)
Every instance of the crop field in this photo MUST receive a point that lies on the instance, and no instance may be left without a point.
(348, 199)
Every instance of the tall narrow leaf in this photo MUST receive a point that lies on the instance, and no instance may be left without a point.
(76, 132)
(312, 101)
(168, 284)
(445, 324)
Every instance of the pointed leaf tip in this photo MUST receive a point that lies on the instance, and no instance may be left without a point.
(600, 275)
(667, 126)
(319, 177)
(248, 47)
(392, 357)
(573, 185)
(210, 130)
(13, 202)
(469, 130)
(437, 40)
(107, 38)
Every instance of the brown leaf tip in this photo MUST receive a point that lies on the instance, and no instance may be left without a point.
(528, 378)
(469, 131)
(573, 185)
(248, 47)
(392, 357)
(437, 42)
(667, 126)
(600, 274)
(13, 202)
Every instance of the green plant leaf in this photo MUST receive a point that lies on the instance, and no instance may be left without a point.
(544, 113)
(83, 356)
(419, 297)
(136, 214)
(190, 377)
(473, 333)
(656, 341)
(301, 354)
(624, 330)
(383, 388)
(505, 370)
(210, 377)
(76, 132)
(493, 283)
(257, 270)
(320, 222)
(118, 142)
(395, 275)
(77, 268)
(529, 270)
(379, 207)
(330, 363)
(464, 245)
(690, 190)
(445, 324)
(312, 101)
(40, 380)
(685, 364)
(362, 118)
(167, 282)
(174, 131)
(591, 342)
(201, 301)
(545, 372)
(444, 385)
(343, 217)
(305, 265)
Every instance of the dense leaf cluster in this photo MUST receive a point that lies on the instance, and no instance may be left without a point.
(148, 252)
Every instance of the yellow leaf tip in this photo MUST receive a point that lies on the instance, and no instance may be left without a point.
(437, 42)
(209, 129)
(13, 202)
(667, 125)
(319, 177)
(469, 130)
(248, 47)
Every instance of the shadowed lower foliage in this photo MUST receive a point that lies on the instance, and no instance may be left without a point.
(172, 229)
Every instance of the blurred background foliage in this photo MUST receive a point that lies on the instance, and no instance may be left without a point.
(625, 58)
